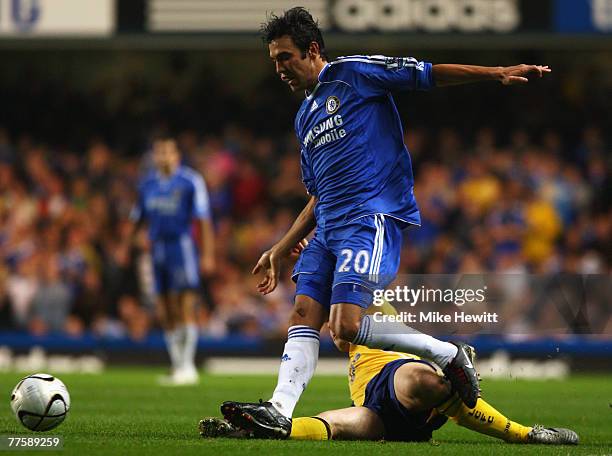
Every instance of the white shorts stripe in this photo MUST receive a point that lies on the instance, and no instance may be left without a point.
(381, 221)
(189, 257)
(377, 252)
(375, 248)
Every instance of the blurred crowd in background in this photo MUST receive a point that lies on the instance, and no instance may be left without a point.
(525, 193)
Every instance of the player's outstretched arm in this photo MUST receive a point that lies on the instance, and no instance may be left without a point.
(455, 74)
(270, 260)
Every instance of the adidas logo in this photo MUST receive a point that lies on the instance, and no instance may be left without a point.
(285, 357)
(314, 106)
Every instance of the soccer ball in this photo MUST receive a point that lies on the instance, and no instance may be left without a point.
(40, 402)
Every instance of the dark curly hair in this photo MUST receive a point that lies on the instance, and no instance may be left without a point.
(299, 25)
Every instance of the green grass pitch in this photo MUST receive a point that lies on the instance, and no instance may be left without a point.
(124, 412)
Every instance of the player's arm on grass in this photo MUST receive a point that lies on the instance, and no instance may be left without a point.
(291, 243)
(455, 74)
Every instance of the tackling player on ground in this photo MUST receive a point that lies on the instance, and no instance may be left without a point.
(169, 199)
(358, 172)
(398, 397)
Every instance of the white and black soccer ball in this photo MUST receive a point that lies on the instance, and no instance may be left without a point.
(40, 402)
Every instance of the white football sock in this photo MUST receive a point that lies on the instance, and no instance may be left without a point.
(174, 345)
(396, 336)
(190, 346)
(297, 367)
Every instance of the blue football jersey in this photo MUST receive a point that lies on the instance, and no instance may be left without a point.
(170, 204)
(353, 155)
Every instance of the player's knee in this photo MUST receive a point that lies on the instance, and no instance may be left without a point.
(342, 345)
(306, 311)
(299, 314)
(334, 428)
(187, 307)
(344, 330)
(165, 314)
(420, 388)
(355, 423)
(435, 388)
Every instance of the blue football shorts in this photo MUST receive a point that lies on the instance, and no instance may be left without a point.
(175, 264)
(401, 424)
(346, 264)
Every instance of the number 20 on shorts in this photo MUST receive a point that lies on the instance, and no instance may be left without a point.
(359, 262)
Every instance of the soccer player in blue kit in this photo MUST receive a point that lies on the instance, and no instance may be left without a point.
(169, 199)
(358, 172)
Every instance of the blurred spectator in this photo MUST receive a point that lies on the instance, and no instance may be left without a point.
(22, 285)
(66, 265)
(6, 314)
(90, 300)
(134, 318)
(51, 303)
(502, 198)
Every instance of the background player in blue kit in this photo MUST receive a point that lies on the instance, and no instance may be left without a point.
(358, 172)
(169, 199)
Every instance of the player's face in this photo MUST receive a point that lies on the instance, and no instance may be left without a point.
(299, 73)
(166, 155)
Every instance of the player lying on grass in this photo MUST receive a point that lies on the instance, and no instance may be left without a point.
(398, 397)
